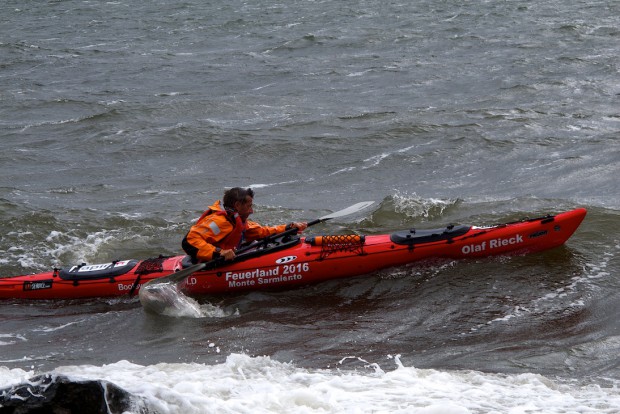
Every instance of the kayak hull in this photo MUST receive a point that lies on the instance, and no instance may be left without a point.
(305, 261)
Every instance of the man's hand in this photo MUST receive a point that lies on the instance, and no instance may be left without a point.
(300, 226)
(228, 254)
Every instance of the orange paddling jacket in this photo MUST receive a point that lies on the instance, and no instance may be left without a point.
(219, 229)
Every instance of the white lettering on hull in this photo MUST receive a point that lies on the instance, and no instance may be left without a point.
(280, 274)
(254, 274)
(493, 244)
(122, 287)
(279, 279)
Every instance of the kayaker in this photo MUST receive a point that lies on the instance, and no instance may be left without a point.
(223, 228)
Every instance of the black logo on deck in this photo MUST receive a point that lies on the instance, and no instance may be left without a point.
(538, 234)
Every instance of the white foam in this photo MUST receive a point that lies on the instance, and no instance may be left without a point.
(14, 376)
(415, 206)
(243, 384)
(63, 247)
(47, 329)
(10, 339)
(375, 160)
(259, 185)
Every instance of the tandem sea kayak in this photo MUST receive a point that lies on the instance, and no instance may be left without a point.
(292, 260)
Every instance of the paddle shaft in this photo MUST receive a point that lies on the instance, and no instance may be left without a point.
(182, 274)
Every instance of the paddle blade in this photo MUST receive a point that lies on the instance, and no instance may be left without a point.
(166, 299)
(159, 295)
(349, 210)
(344, 212)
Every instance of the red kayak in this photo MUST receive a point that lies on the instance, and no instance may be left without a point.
(291, 260)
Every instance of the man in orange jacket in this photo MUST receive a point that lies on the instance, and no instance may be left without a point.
(222, 229)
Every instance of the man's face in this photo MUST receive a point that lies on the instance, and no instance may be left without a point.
(244, 208)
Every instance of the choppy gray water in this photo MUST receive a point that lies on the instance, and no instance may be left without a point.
(120, 121)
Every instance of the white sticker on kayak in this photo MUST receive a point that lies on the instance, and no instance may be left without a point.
(286, 259)
(97, 267)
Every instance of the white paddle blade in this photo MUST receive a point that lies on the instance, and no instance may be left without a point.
(166, 299)
(349, 210)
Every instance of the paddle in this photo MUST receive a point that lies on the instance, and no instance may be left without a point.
(340, 213)
(180, 275)
(344, 212)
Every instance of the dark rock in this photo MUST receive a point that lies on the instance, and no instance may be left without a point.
(57, 394)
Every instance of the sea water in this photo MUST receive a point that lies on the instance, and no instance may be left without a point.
(122, 121)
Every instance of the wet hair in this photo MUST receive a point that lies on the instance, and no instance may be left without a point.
(236, 194)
